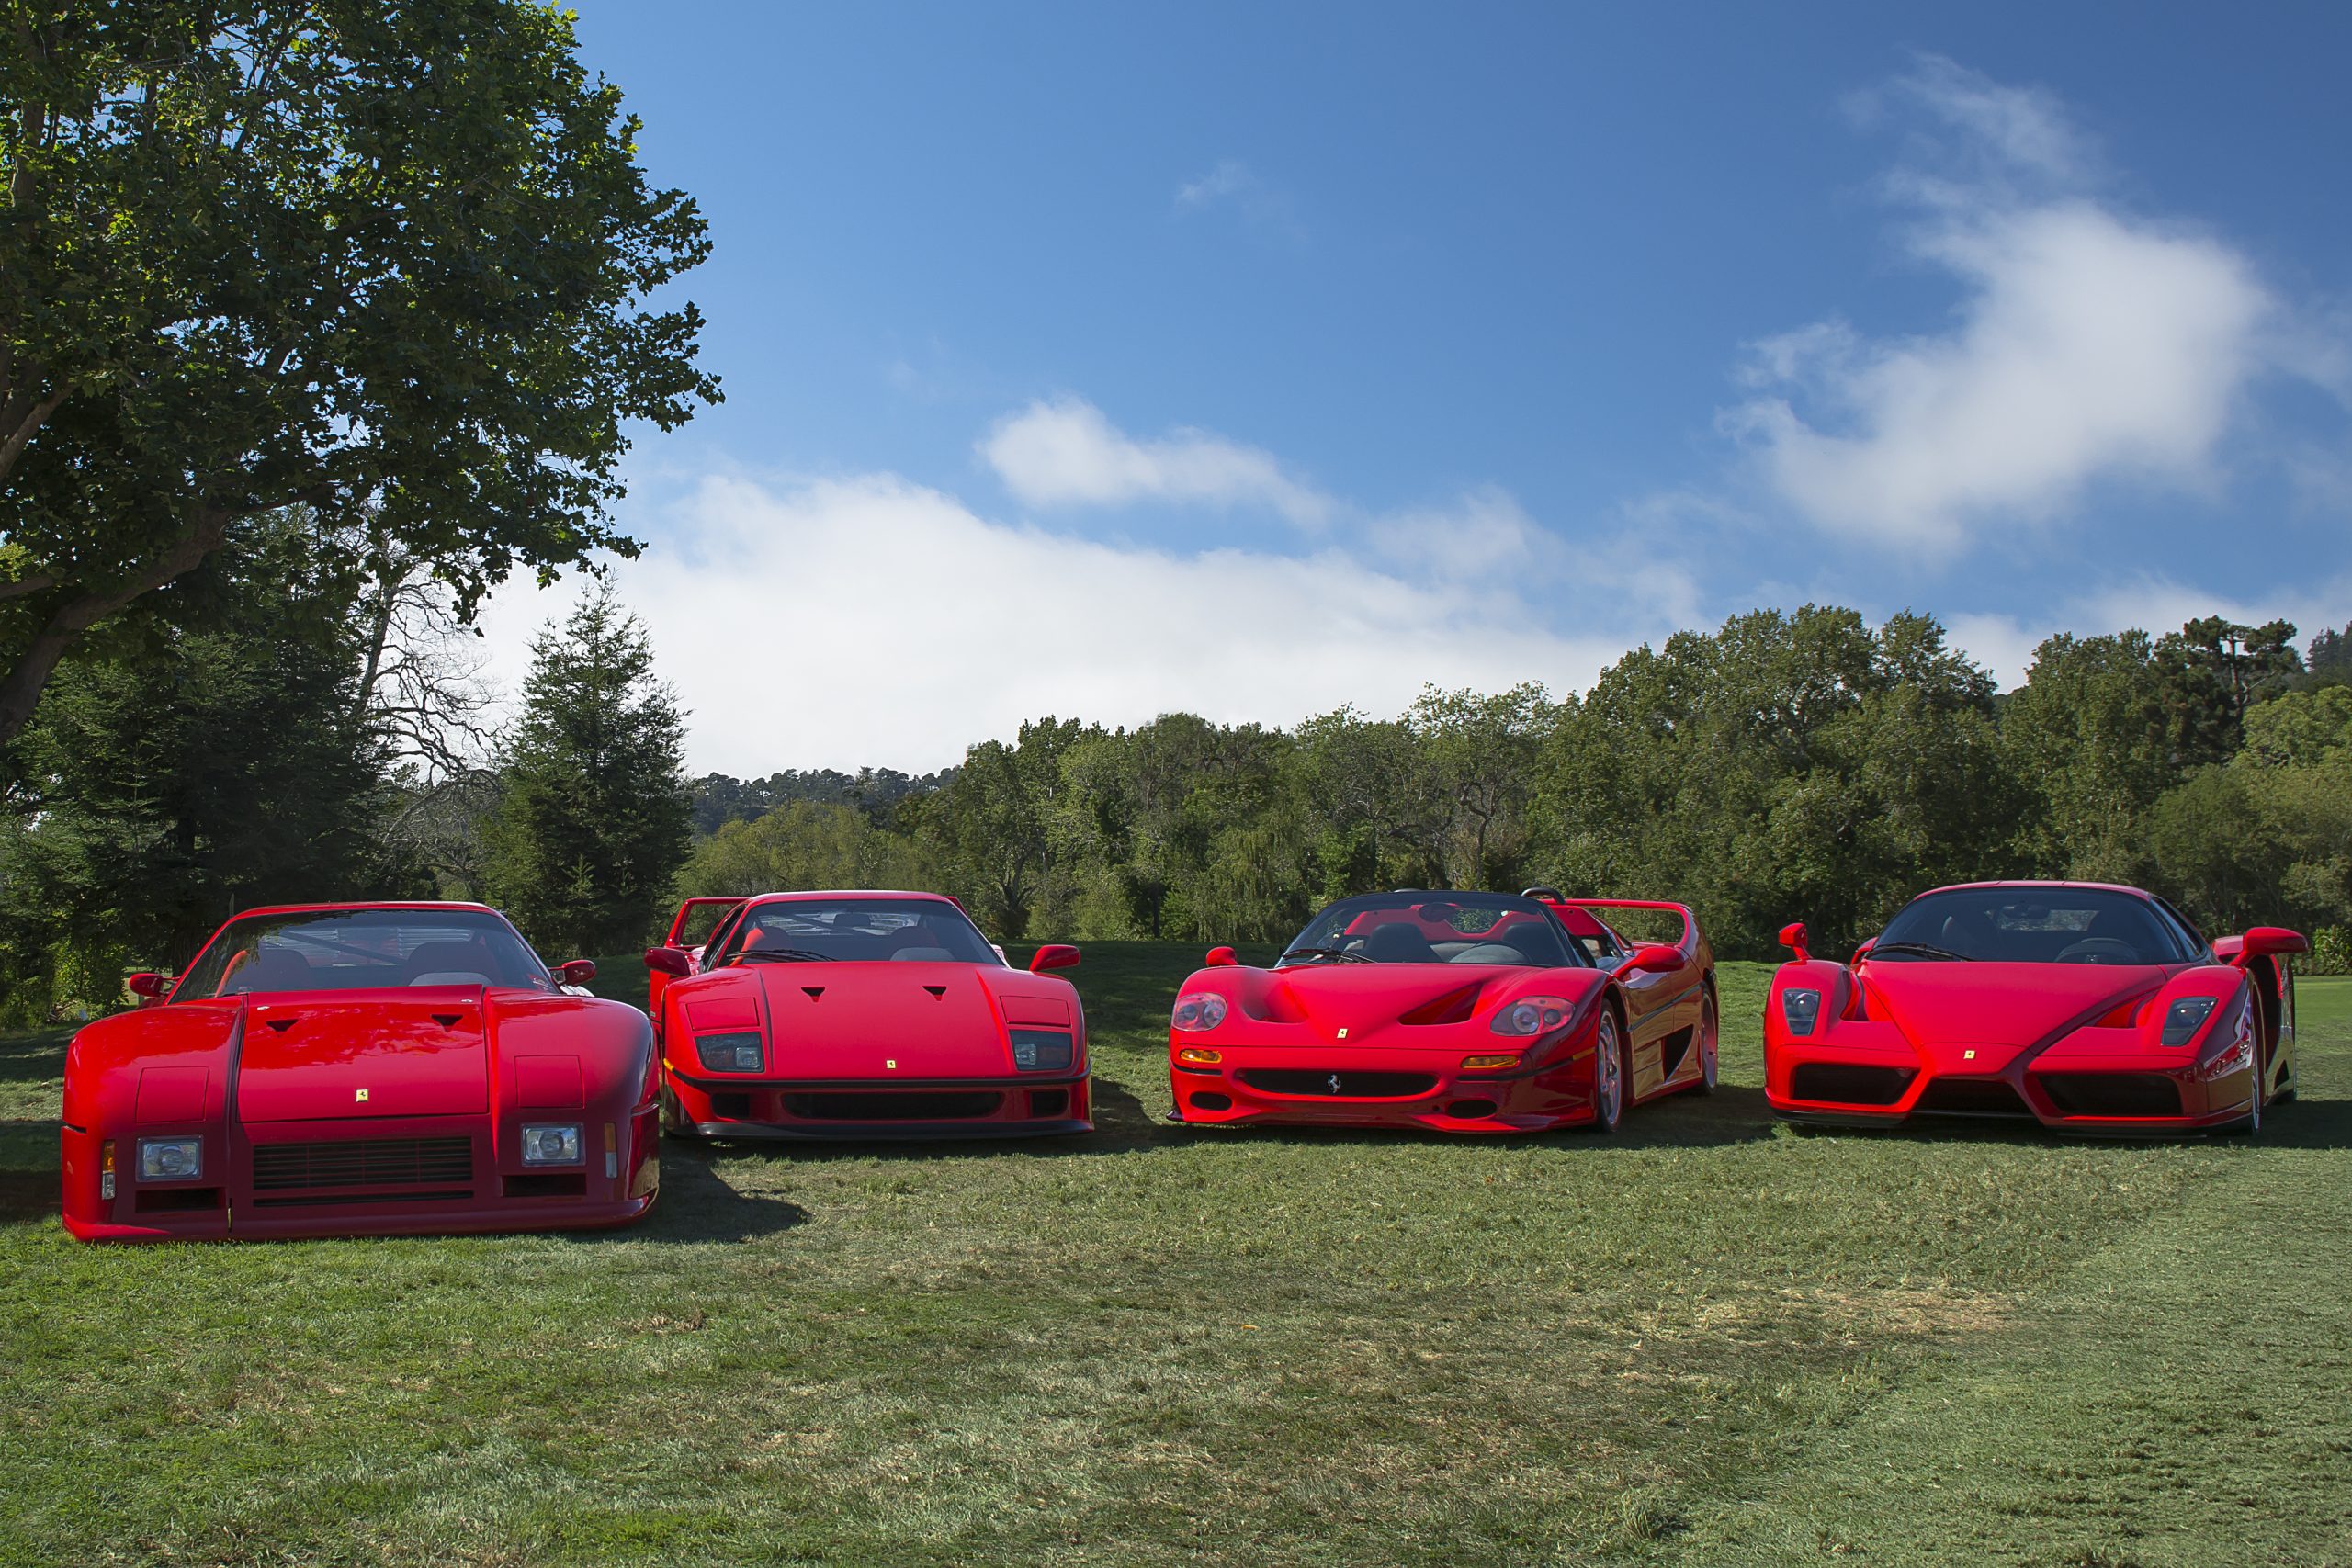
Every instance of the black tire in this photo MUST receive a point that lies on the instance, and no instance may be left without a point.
(1609, 1075)
(1710, 1041)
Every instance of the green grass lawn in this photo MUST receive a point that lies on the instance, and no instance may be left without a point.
(1707, 1339)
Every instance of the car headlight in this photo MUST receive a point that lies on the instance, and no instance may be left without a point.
(1198, 1010)
(2185, 1016)
(1041, 1050)
(1532, 1015)
(549, 1143)
(171, 1159)
(730, 1053)
(1801, 1008)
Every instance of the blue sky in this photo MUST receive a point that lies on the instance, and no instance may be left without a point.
(1256, 359)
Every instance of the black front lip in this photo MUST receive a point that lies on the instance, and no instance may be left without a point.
(888, 1132)
(1064, 1079)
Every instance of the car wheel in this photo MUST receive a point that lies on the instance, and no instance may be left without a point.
(1709, 1033)
(1607, 1075)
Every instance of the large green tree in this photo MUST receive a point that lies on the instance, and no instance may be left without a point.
(379, 259)
(218, 769)
(594, 820)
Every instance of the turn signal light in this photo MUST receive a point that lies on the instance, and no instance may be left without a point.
(1200, 1055)
(1490, 1063)
(106, 1169)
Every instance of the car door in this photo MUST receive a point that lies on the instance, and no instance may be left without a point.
(684, 926)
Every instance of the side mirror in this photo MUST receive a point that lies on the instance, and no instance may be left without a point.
(1222, 958)
(671, 961)
(1792, 938)
(2271, 941)
(577, 971)
(1053, 956)
(149, 988)
(1652, 958)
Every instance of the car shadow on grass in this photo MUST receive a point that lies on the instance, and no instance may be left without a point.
(1731, 1116)
(2299, 1123)
(1122, 1125)
(33, 1058)
(697, 1205)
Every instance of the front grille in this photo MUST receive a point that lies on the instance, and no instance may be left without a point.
(1327, 1083)
(378, 1162)
(1846, 1083)
(2112, 1094)
(1970, 1097)
(913, 1105)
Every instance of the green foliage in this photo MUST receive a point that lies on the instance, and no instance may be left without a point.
(223, 768)
(591, 826)
(801, 844)
(327, 252)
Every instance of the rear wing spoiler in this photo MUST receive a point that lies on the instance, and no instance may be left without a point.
(1688, 940)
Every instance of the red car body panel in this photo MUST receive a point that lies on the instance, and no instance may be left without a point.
(866, 1050)
(380, 1112)
(1383, 1044)
(2074, 1046)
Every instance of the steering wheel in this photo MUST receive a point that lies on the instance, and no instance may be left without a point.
(2100, 950)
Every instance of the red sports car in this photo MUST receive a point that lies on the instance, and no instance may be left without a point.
(865, 1015)
(1465, 1012)
(345, 1069)
(2087, 1008)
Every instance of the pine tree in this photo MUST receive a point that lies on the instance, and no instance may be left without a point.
(594, 819)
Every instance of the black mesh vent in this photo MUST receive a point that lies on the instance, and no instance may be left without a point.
(2112, 1094)
(1843, 1083)
(1338, 1083)
(1970, 1097)
(378, 1162)
(888, 1105)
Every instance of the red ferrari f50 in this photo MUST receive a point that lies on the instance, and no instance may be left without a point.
(1459, 1012)
(2087, 1008)
(359, 1068)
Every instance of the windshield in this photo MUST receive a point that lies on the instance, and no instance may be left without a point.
(354, 950)
(2031, 925)
(853, 931)
(1434, 928)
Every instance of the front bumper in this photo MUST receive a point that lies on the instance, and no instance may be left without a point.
(477, 1189)
(2093, 1089)
(841, 1111)
(1289, 1087)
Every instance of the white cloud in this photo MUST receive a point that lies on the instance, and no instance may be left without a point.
(2091, 345)
(870, 621)
(1231, 177)
(1064, 453)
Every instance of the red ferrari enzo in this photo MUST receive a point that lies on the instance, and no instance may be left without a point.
(2087, 1008)
(865, 1015)
(1465, 1012)
(359, 1069)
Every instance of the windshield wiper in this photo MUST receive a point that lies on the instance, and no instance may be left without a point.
(782, 955)
(1331, 952)
(1921, 948)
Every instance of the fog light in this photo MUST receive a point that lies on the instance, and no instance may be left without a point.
(729, 1053)
(547, 1144)
(171, 1159)
(1200, 1055)
(1488, 1064)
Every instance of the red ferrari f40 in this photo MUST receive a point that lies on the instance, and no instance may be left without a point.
(864, 1015)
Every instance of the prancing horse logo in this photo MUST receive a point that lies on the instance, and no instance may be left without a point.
(1334, 1081)
(360, 1097)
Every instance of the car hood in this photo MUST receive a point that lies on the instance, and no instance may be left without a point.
(871, 1022)
(419, 1052)
(2015, 1005)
